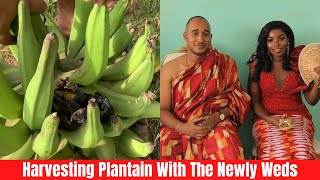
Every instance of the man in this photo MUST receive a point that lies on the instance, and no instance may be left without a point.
(202, 103)
(8, 11)
(66, 10)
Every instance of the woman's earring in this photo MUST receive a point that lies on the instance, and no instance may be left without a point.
(270, 55)
(288, 50)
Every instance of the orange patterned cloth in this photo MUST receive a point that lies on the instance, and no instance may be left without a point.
(202, 89)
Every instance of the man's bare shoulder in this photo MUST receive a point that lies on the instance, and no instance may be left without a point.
(174, 66)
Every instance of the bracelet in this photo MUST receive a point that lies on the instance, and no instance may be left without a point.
(315, 84)
(177, 128)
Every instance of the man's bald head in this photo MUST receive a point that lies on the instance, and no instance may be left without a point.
(197, 17)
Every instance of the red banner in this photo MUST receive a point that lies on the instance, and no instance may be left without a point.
(155, 169)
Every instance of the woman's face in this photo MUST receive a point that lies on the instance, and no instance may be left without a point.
(277, 43)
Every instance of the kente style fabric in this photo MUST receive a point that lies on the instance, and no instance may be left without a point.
(202, 89)
(273, 143)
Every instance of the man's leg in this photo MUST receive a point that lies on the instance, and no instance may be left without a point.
(170, 144)
(223, 143)
(65, 14)
(8, 11)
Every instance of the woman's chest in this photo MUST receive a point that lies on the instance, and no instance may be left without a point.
(275, 82)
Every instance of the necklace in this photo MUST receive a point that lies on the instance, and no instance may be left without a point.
(187, 62)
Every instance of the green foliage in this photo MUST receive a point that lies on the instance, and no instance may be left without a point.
(139, 10)
(52, 8)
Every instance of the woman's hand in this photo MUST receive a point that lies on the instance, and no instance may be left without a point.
(275, 120)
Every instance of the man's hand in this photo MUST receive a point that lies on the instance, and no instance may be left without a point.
(110, 3)
(8, 11)
(66, 10)
(37, 6)
(191, 129)
(199, 127)
(207, 120)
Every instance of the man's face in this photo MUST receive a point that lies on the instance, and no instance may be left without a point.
(198, 36)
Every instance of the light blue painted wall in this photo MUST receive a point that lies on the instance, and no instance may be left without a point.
(235, 27)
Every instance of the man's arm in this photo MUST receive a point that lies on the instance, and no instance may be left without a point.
(238, 100)
(167, 117)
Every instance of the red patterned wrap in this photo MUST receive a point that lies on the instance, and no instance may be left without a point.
(202, 89)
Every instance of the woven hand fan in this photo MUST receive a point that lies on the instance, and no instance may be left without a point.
(309, 58)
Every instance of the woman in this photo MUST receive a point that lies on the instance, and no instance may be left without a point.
(275, 86)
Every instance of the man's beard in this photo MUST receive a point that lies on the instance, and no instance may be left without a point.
(199, 54)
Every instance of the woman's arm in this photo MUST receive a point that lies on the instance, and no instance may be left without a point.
(257, 107)
(312, 94)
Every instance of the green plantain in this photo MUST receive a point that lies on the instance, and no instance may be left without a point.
(90, 132)
(39, 94)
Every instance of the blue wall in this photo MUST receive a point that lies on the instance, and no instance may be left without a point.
(235, 25)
